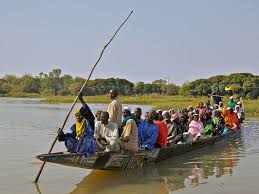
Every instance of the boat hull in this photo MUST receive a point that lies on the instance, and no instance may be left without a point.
(124, 160)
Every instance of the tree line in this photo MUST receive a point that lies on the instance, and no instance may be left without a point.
(54, 83)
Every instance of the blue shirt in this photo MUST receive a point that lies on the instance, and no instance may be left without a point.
(148, 133)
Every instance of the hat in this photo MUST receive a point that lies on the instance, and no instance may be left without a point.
(239, 102)
(231, 97)
(190, 107)
(127, 108)
(220, 102)
(164, 113)
(98, 112)
(77, 111)
(195, 114)
(174, 116)
(228, 108)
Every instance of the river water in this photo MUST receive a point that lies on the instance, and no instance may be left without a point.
(27, 129)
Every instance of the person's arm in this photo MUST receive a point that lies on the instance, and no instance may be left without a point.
(127, 132)
(62, 136)
(86, 111)
(81, 99)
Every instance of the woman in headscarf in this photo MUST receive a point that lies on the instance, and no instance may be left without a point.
(228, 120)
(196, 128)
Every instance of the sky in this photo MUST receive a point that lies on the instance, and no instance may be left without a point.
(178, 40)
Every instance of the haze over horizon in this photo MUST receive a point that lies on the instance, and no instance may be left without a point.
(182, 40)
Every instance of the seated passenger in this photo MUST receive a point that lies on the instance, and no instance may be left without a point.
(196, 128)
(129, 137)
(228, 120)
(80, 138)
(148, 132)
(183, 117)
(167, 121)
(138, 113)
(231, 103)
(221, 106)
(177, 130)
(234, 117)
(201, 108)
(106, 134)
(218, 122)
(98, 114)
(162, 131)
(207, 124)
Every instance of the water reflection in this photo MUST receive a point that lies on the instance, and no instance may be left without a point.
(173, 174)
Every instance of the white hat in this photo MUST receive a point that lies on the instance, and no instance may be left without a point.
(127, 108)
(164, 112)
(239, 102)
(231, 97)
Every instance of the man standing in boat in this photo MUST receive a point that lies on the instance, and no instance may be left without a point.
(80, 138)
(115, 108)
(106, 134)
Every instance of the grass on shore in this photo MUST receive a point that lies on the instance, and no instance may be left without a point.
(156, 101)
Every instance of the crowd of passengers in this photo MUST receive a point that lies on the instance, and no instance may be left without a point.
(119, 128)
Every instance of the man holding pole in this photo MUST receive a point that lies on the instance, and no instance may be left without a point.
(80, 138)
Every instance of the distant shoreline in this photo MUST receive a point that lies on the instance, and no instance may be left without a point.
(154, 100)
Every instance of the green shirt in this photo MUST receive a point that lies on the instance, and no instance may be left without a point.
(231, 104)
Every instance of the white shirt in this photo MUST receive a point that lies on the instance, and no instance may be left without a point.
(109, 131)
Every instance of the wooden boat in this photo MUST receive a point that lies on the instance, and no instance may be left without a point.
(124, 160)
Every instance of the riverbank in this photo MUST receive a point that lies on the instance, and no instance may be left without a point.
(156, 101)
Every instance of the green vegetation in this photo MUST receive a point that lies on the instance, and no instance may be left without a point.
(159, 94)
(157, 101)
(54, 84)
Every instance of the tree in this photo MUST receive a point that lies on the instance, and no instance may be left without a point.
(185, 89)
(29, 84)
(139, 88)
(172, 89)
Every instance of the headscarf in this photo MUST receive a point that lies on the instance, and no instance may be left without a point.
(130, 116)
(227, 118)
(80, 126)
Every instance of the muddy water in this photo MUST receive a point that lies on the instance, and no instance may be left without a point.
(27, 129)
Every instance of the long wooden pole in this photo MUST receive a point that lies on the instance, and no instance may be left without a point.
(52, 145)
